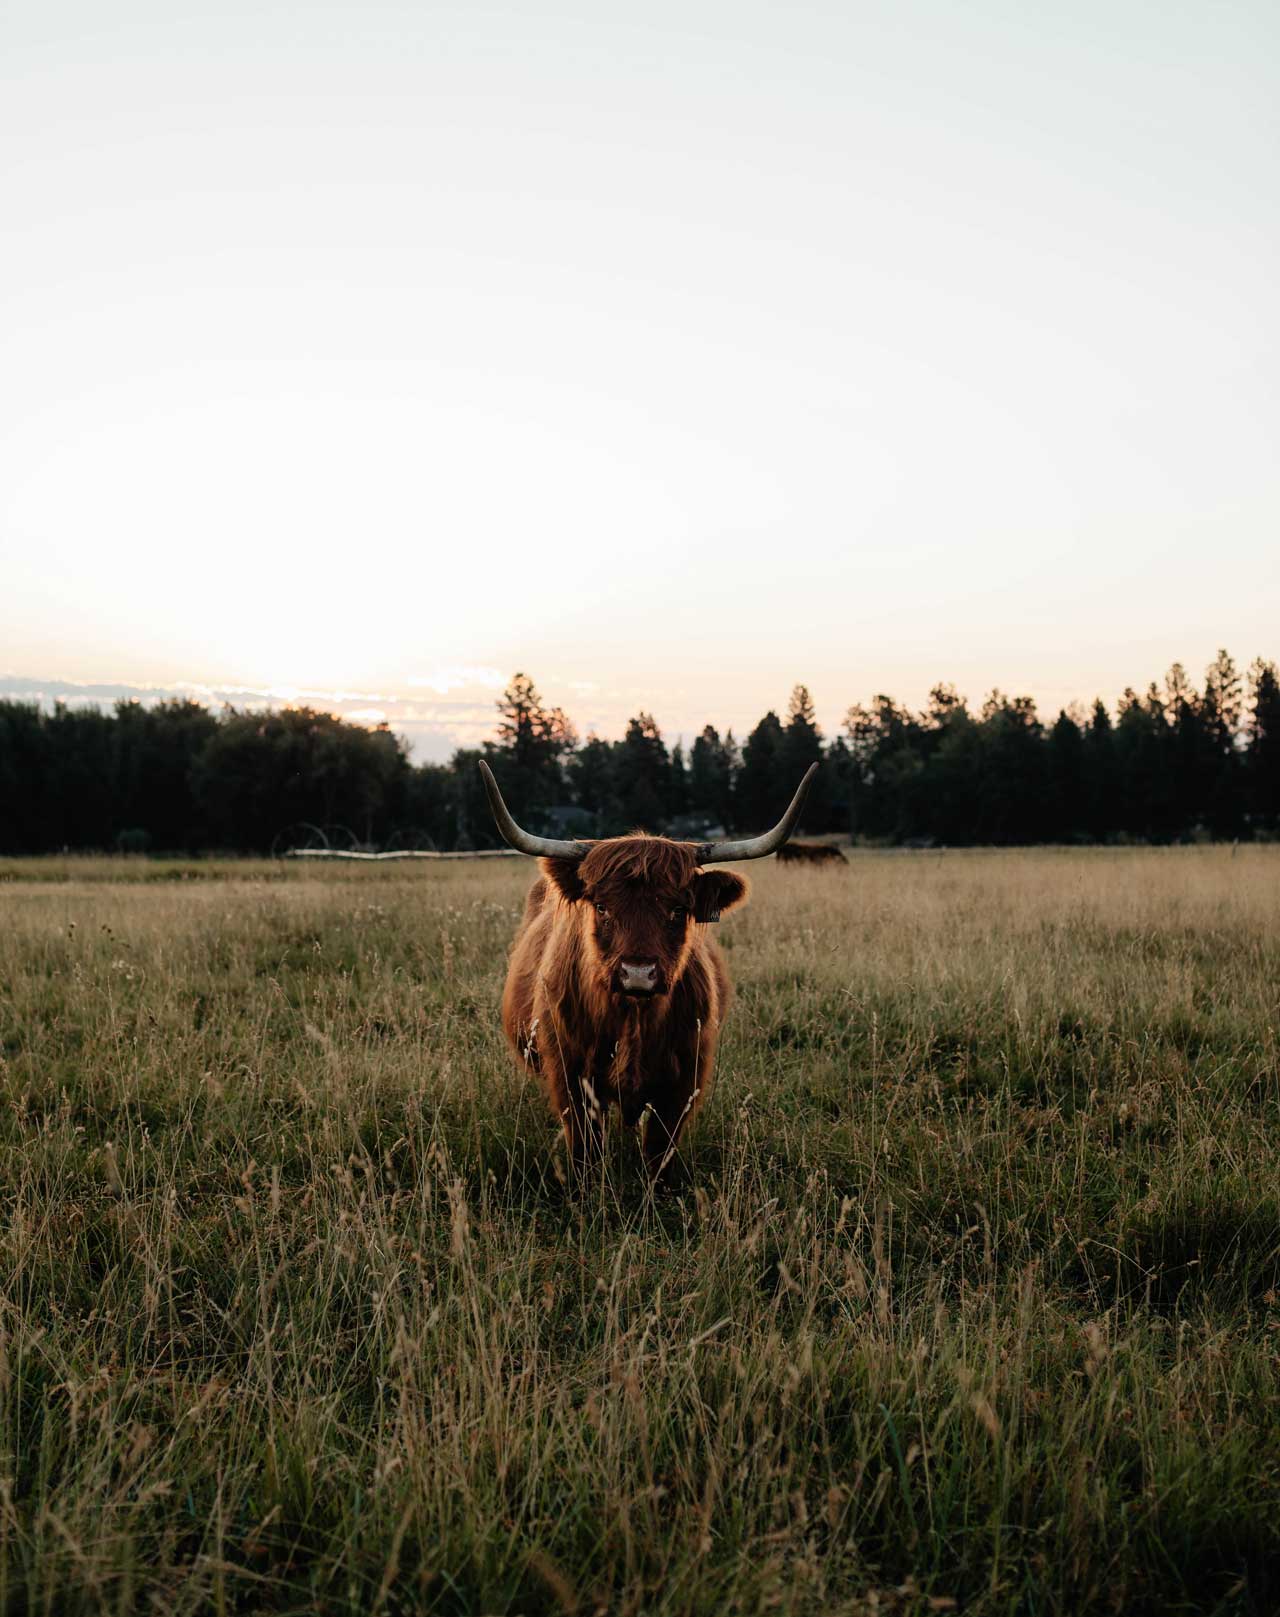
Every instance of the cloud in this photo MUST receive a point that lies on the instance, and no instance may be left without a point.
(49, 691)
(434, 729)
(458, 676)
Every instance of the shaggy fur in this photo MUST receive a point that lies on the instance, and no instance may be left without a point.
(636, 898)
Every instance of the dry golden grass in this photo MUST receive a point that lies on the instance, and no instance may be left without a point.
(966, 1292)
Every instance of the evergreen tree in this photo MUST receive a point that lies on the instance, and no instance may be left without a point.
(732, 775)
(1225, 689)
(473, 825)
(1144, 752)
(1102, 781)
(711, 777)
(1013, 796)
(643, 774)
(533, 740)
(1222, 713)
(839, 769)
(1187, 750)
(679, 799)
(801, 747)
(704, 797)
(802, 742)
(761, 794)
(592, 771)
(941, 801)
(886, 760)
(1264, 744)
(1068, 808)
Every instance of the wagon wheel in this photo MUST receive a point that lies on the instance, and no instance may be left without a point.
(411, 839)
(298, 834)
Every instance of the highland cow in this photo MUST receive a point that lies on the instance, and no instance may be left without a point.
(615, 992)
(810, 853)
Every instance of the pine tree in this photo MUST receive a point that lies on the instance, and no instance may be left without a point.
(1264, 744)
(801, 714)
(533, 740)
(1100, 772)
(1225, 688)
(732, 776)
(802, 747)
(591, 771)
(945, 796)
(1013, 795)
(1222, 712)
(839, 769)
(643, 774)
(760, 794)
(679, 797)
(1068, 783)
(885, 749)
(705, 764)
(1133, 764)
(1182, 709)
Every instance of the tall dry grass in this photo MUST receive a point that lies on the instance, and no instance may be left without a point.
(966, 1293)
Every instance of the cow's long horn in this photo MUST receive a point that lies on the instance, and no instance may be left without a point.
(716, 853)
(523, 841)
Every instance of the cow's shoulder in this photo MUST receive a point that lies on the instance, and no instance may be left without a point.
(702, 991)
(536, 899)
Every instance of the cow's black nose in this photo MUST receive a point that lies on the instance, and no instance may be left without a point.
(638, 976)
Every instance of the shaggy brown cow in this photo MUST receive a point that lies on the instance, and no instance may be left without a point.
(615, 993)
(809, 853)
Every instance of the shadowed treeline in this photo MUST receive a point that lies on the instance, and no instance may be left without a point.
(1174, 763)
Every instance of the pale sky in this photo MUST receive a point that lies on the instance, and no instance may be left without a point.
(673, 353)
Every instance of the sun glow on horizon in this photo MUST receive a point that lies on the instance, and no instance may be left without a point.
(673, 359)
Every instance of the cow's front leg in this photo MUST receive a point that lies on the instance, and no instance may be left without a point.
(665, 1117)
(581, 1114)
(675, 1097)
(565, 1065)
(583, 1119)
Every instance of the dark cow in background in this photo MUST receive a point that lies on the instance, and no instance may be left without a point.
(810, 853)
(615, 992)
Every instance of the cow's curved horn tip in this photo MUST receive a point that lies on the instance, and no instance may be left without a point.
(516, 835)
(769, 842)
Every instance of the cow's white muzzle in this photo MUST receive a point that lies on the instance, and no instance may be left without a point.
(638, 977)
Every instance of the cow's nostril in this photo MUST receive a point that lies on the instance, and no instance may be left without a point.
(638, 976)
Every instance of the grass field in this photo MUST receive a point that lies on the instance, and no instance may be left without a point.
(965, 1296)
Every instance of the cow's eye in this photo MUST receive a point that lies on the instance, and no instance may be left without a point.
(679, 913)
(600, 910)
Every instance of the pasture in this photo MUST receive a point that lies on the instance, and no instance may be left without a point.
(965, 1297)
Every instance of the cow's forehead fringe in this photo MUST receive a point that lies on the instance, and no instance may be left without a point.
(655, 861)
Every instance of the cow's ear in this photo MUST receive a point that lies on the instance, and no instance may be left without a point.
(564, 876)
(715, 891)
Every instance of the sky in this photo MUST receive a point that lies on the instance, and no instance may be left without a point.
(672, 353)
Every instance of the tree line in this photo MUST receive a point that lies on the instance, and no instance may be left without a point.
(1172, 763)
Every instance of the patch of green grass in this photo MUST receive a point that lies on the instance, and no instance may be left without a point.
(966, 1290)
